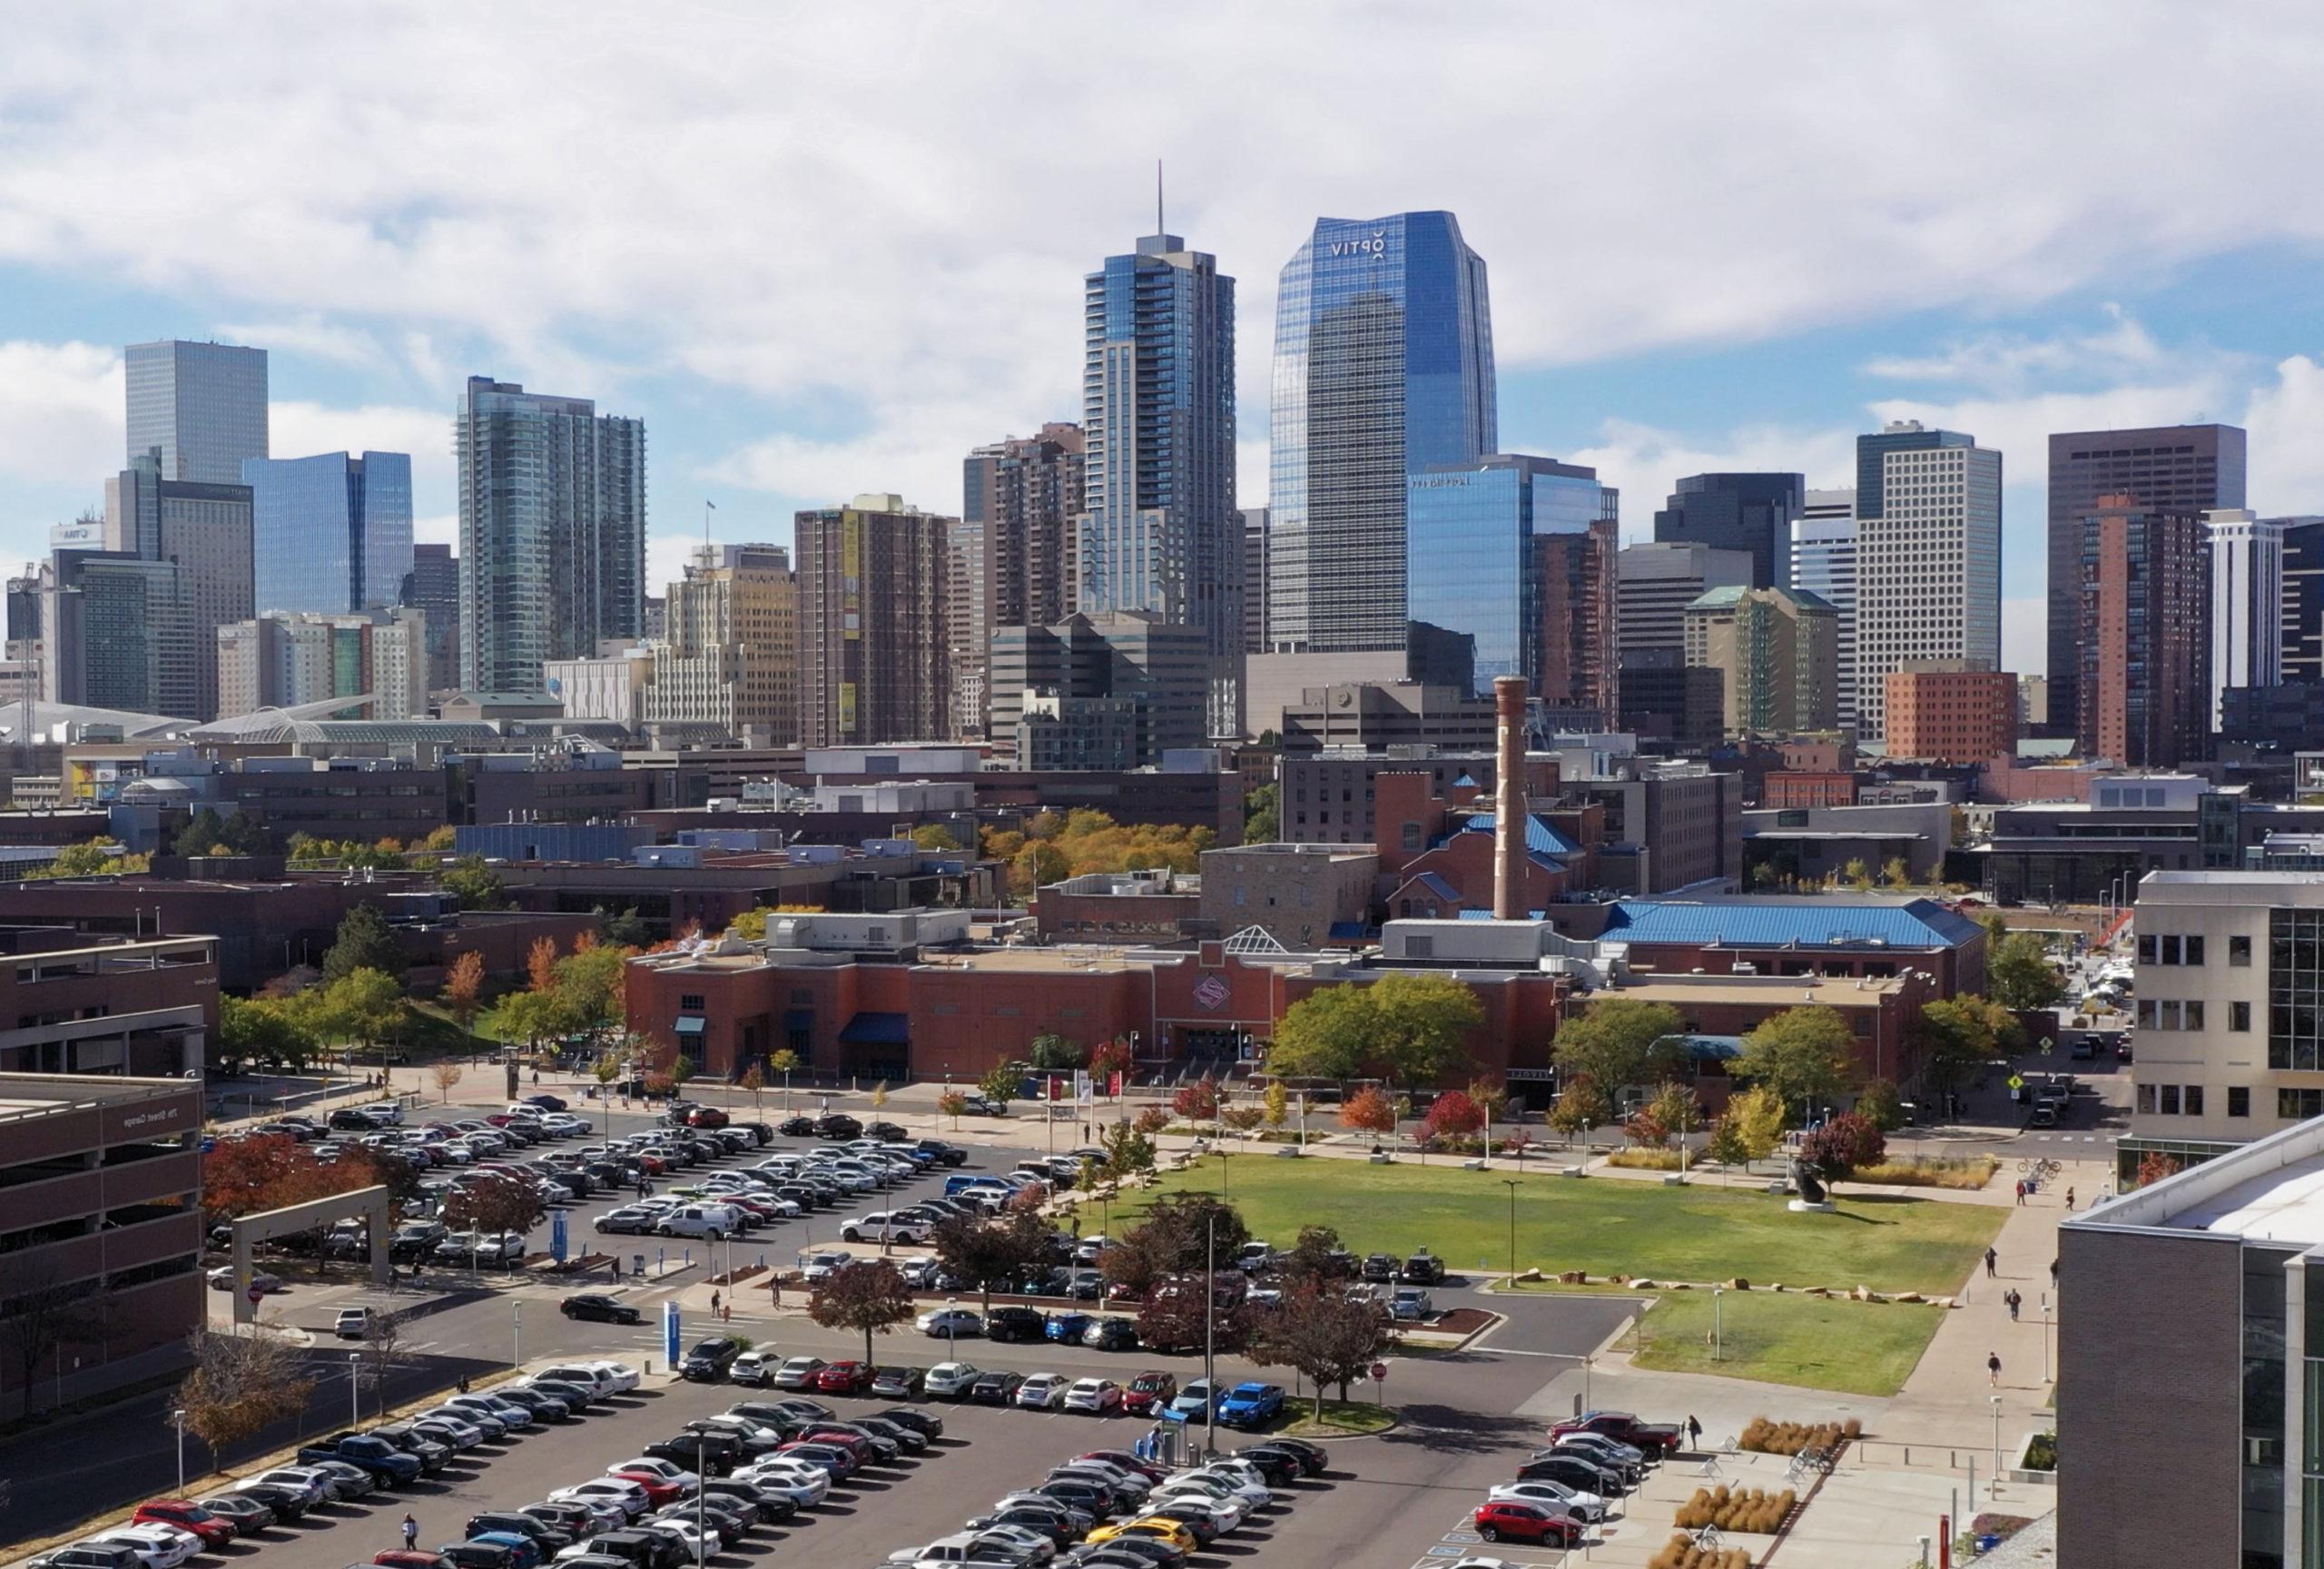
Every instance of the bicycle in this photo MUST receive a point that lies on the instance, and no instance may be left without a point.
(2041, 1168)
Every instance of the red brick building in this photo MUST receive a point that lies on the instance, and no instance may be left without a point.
(1937, 715)
(1787, 789)
(92, 1006)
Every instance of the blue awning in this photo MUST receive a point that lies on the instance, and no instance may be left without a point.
(692, 1026)
(877, 1029)
(1346, 930)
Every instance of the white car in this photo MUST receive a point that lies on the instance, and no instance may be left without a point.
(1586, 1507)
(1224, 1513)
(883, 1225)
(669, 1471)
(1245, 1478)
(157, 1546)
(628, 1494)
(701, 1547)
(1034, 1548)
(607, 1514)
(1216, 1486)
(1043, 1391)
(822, 1266)
(614, 1377)
(1099, 1396)
(316, 1485)
(751, 1367)
(943, 1322)
(951, 1380)
(804, 1484)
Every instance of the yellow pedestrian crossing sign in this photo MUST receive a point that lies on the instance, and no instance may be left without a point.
(2015, 1082)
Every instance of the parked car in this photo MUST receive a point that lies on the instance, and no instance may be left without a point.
(899, 1383)
(214, 1530)
(753, 1367)
(1518, 1522)
(949, 1323)
(1097, 1397)
(952, 1380)
(1042, 1392)
(1196, 1401)
(845, 1378)
(1010, 1323)
(708, 1361)
(799, 1373)
(597, 1307)
(1111, 1335)
(1250, 1404)
(1149, 1392)
(996, 1389)
(1656, 1440)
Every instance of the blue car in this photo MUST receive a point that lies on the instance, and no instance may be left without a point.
(1250, 1404)
(1066, 1327)
(525, 1552)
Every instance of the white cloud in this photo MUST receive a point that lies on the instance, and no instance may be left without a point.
(61, 413)
(313, 337)
(299, 429)
(2286, 426)
(2004, 362)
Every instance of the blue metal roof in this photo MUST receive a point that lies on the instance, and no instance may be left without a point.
(1540, 837)
(1801, 924)
(1439, 886)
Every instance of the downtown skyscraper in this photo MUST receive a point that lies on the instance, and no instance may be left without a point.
(1928, 559)
(1161, 533)
(552, 531)
(331, 533)
(201, 406)
(1384, 371)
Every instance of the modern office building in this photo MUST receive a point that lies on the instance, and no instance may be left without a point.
(552, 552)
(117, 631)
(2246, 610)
(1099, 692)
(1025, 493)
(1254, 580)
(1400, 718)
(284, 661)
(1160, 532)
(1928, 557)
(731, 658)
(1944, 711)
(2182, 470)
(1655, 583)
(1775, 650)
(872, 614)
(1384, 371)
(2302, 632)
(205, 529)
(1476, 570)
(433, 588)
(2142, 656)
(330, 533)
(203, 406)
(1749, 512)
(1823, 562)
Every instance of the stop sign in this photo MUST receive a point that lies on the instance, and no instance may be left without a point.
(1379, 1372)
(257, 1296)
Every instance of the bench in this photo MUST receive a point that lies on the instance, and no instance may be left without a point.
(1380, 1158)
(1472, 1165)
(1573, 1171)
(1292, 1150)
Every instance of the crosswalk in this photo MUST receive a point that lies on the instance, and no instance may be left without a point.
(2071, 1138)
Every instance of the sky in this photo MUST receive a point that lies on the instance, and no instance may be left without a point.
(826, 250)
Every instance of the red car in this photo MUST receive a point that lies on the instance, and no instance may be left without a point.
(1149, 1392)
(659, 1490)
(398, 1558)
(845, 1378)
(1122, 1460)
(1655, 1439)
(215, 1530)
(858, 1447)
(1526, 1523)
(707, 1117)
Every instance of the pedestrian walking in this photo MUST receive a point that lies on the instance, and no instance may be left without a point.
(1992, 1369)
(714, 1304)
(2053, 1273)
(2021, 1192)
(2013, 1299)
(1992, 1258)
(726, 1314)
(410, 1532)
(1694, 1433)
(774, 1289)
(2069, 1199)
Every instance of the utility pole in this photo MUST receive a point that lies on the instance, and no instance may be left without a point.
(1511, 1183)
(1209, 1306)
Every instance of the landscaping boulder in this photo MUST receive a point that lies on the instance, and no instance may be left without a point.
(1737, 1284)
(1574, 1277)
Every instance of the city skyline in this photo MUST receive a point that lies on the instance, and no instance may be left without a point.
(772, 373)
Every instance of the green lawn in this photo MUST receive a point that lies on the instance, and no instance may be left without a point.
(1341, 1418)
(1818, 1343)
(1605, 1225)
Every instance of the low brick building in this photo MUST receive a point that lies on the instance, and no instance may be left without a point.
(1939, 713)
(120, 1005)
(1306, 896)
(1152, 905)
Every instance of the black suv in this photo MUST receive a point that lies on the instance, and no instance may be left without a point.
(1379, 1266)
(708, 1361)
(838, 1125)
(1423, 1269)
(1014, 1324)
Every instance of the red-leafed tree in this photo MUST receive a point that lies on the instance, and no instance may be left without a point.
(1369, 1110)
(1453, 1115)
(1197, 1101)
(1843, 1146)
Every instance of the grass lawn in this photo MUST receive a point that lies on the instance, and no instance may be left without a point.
(1605, 1225)
(1341, 1418)
(1855, 1347)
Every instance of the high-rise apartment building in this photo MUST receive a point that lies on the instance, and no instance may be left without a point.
(331, 533)
(1823, 562)
(1383, 370)
(2247, 595)
(1476, 570)
(2143, 671)
(968, 624)
(2182, 470)
(1946, 711)
(1026, 494)
(1159, 531)
(1928, 557)
(117, 631)
(1749, 512)
(203, 406)
(731, 653)
(1654, 584)
(1775, 650)
(433, 588)
(1107, 692)
(1254, 580)
(2301, 635)
(206, 530)
(283, 661)
(871, 634)
(1580, 654)
(552, 531)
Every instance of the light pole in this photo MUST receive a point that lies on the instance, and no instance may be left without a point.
(178, 1417)
(1997, 1405)
(516, 1334)
(1222, 1169)
(354, 1389)
(2045, 1336)
(1510, 1183)
(1209, 1301)
(1718, 1328)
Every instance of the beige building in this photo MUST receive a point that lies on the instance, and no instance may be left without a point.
(731, 653)
(1778, 652)
(609, 689)
(872, 642)
(284, 661)
(1297, 892)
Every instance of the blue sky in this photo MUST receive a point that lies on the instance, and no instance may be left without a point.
(824, 250)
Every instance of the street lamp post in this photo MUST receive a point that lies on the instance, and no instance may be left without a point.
(1718, 1326)
(1222, 1167)
(1209, 1303)
(2045, 1336)
(354, 1389)
(178, 1417)
(1995, 1399)
(516, 1334)
(1510, 1183)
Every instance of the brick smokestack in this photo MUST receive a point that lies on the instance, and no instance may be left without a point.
(1509, 798)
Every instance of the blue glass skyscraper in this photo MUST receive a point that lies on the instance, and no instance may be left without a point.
(1383, 370)
(1161, 533)
(331, 533)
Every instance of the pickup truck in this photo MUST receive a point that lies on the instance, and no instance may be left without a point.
(1658, 1440)
(377, 1457)
(1250, 1404)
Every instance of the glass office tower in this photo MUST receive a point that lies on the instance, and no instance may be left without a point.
(1383, 370)
(332, 532)
(201, 405)
(1471, 568)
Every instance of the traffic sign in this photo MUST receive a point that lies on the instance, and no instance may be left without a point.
(1379, 1372)
(2015, 1082)
(255, 1294)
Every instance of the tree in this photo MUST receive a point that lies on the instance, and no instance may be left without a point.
(870, 1295)
(590, 983)
(1751, 1128)
(992, 1252)
(1879, 1104)
(1580, 1106)
(261, 1030)
(1369, 1110)
(1150, 1119)
(364, 942)
(752, 1079)
(446, 1073)
(1261, 819)
(464, 988)
(382, 1338)
(2154, 1167)
(43, 1314)
(2018, 974)
(1321, 1334)
(1052, 1050)
(493, 1203)
(1674, 1107)
(934, 837)
(1182, 1234)
(1243, 1118)
(1107, 1058)
(96, 858)
(1842, 1147)
(1420, 1021)
(1001, 1082)
(1175, 1315)
(1278, 1103)
(534, 1017)
(362, 1005)
(1856, 875)
(1617, 1041)
(1959, 1035)
(1326, 1034)
(628, 929)
(241, 1386)
(540, 964)
(1453, 1115)
(1197, 1100)
(1314, 1257)
(1894, 872)
(1801, 1054)
(472, 881)
(952, 1104)
(1037, 866)
(1128, 1150)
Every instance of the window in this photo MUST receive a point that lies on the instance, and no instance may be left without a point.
(2194, 1099)
(2239, 952)
(2239, 1100)
(2299, 1105)
(2190, 950)
(2170, 1093)
(2149, 949)
(690, 1002)
(2146, 1100)
(2239, 1018)
(2194, 1015)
